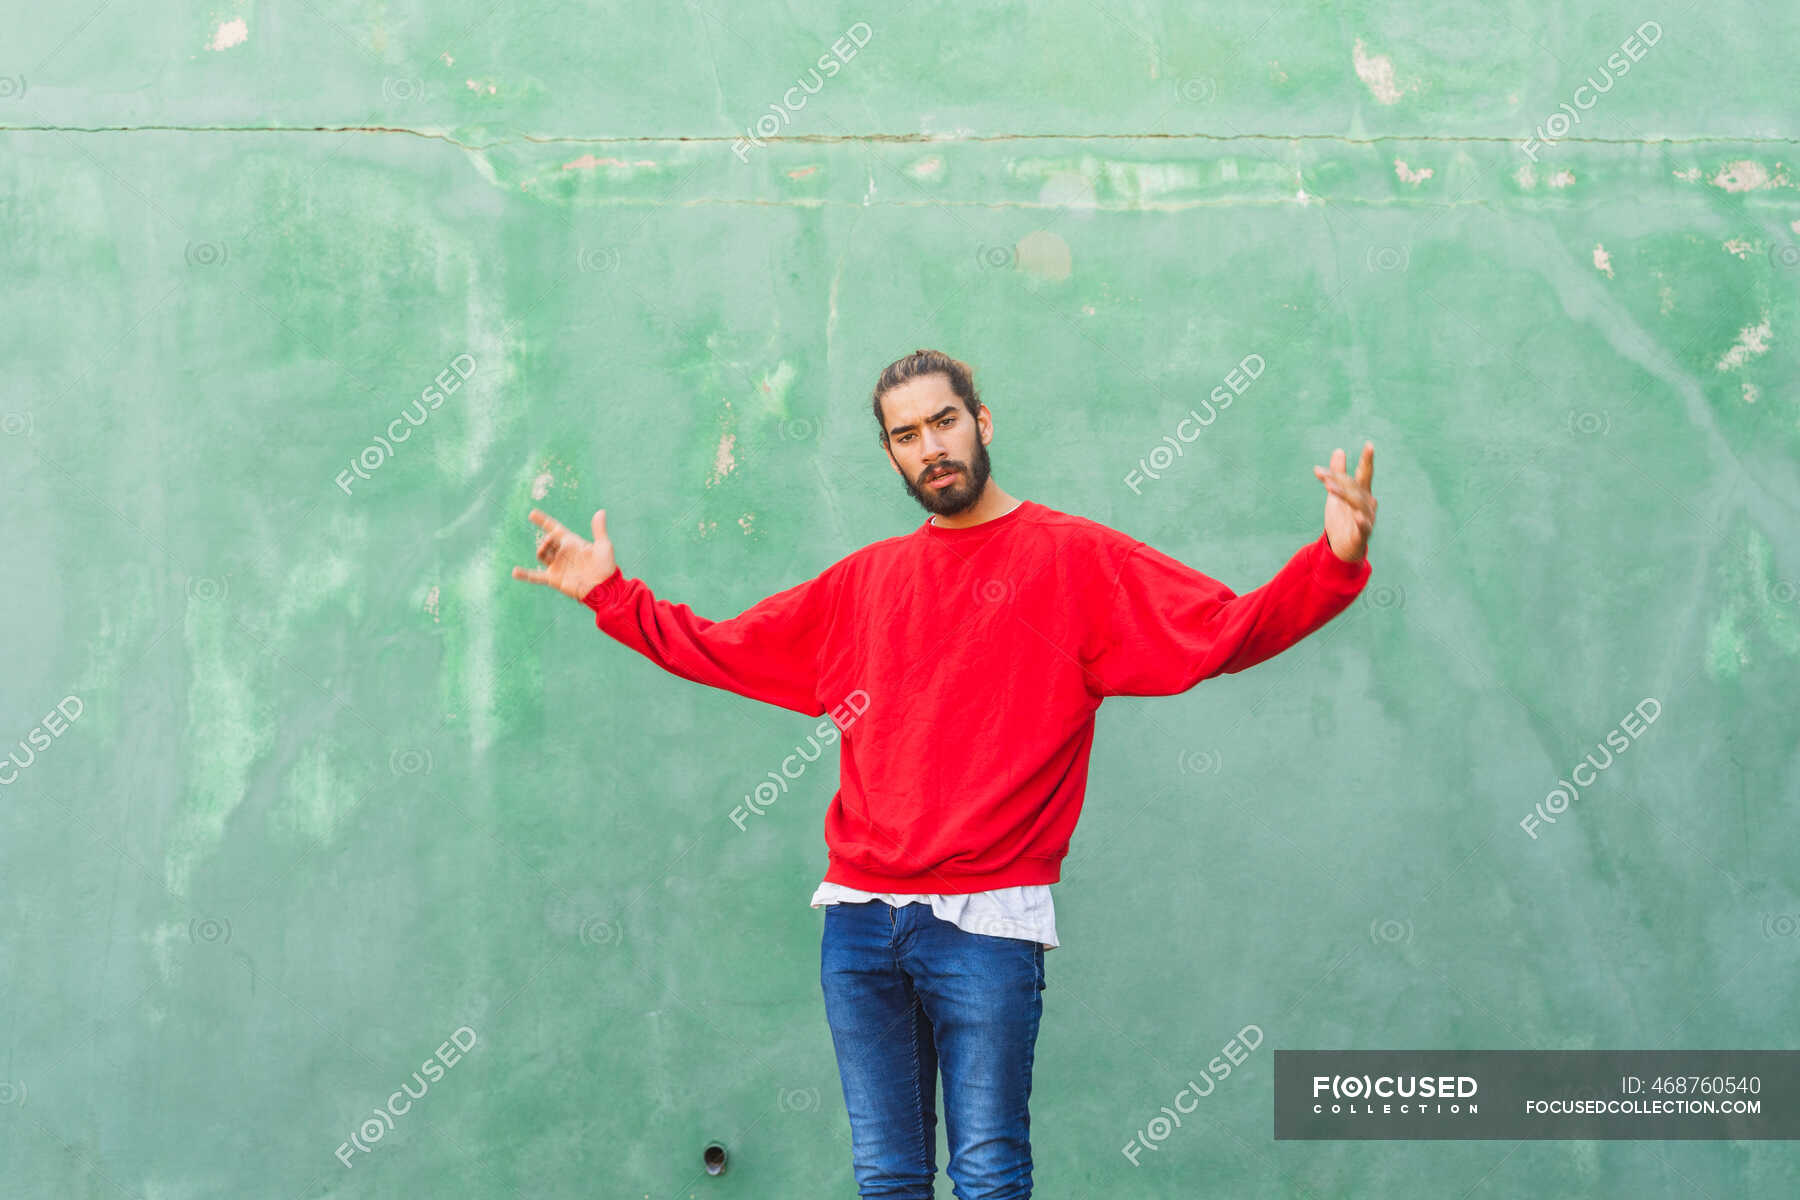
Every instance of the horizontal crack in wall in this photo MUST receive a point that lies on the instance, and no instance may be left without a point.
(919, 138)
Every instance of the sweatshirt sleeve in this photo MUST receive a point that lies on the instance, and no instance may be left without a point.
(768, 652)
(1167, 626)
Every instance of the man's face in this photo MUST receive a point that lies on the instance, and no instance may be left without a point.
(938, 449)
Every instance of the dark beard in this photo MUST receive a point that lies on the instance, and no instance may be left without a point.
(959, 496)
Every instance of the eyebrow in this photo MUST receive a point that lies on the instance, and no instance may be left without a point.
(939, 415)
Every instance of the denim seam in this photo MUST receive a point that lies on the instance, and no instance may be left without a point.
(918, 1104)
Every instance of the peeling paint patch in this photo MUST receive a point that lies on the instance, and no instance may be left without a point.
(1602, 260)
(587, 162)
(744, 521)
(1794, 225)
(1043, 255)
(1412, 177)
(801, 172)
(229, 33)
(724, 463)
(1752, 340)
(1525, 177)
(1745, 175)
(448, 61)
(1739, 247)
(551, 471)
(476, 87)
(1667, 295)
(926, 168)
(1377, 72)
(431, 603)
(1562, 178)
(1750, 392)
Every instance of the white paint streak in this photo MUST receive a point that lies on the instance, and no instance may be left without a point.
(1602, 260)
(588, 162)
(476, 595)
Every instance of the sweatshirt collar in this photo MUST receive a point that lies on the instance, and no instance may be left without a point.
(988, 526)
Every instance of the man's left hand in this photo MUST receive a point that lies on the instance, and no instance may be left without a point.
(1350, 505)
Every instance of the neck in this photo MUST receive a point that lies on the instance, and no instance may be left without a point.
(994, 502)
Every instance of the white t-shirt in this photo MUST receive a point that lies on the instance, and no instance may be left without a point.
(1020, 912)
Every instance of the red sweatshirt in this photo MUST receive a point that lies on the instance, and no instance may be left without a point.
(962, 668)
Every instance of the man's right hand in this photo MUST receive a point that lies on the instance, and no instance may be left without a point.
(572, 564)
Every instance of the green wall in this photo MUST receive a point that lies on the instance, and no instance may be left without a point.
(337, 788)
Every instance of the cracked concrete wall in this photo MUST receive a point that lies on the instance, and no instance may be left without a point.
(334, 789)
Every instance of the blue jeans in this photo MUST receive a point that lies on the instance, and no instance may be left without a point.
(908, 995)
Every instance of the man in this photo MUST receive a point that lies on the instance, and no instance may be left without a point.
(963, 663)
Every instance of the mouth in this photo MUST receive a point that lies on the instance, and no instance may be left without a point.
(942, 479)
